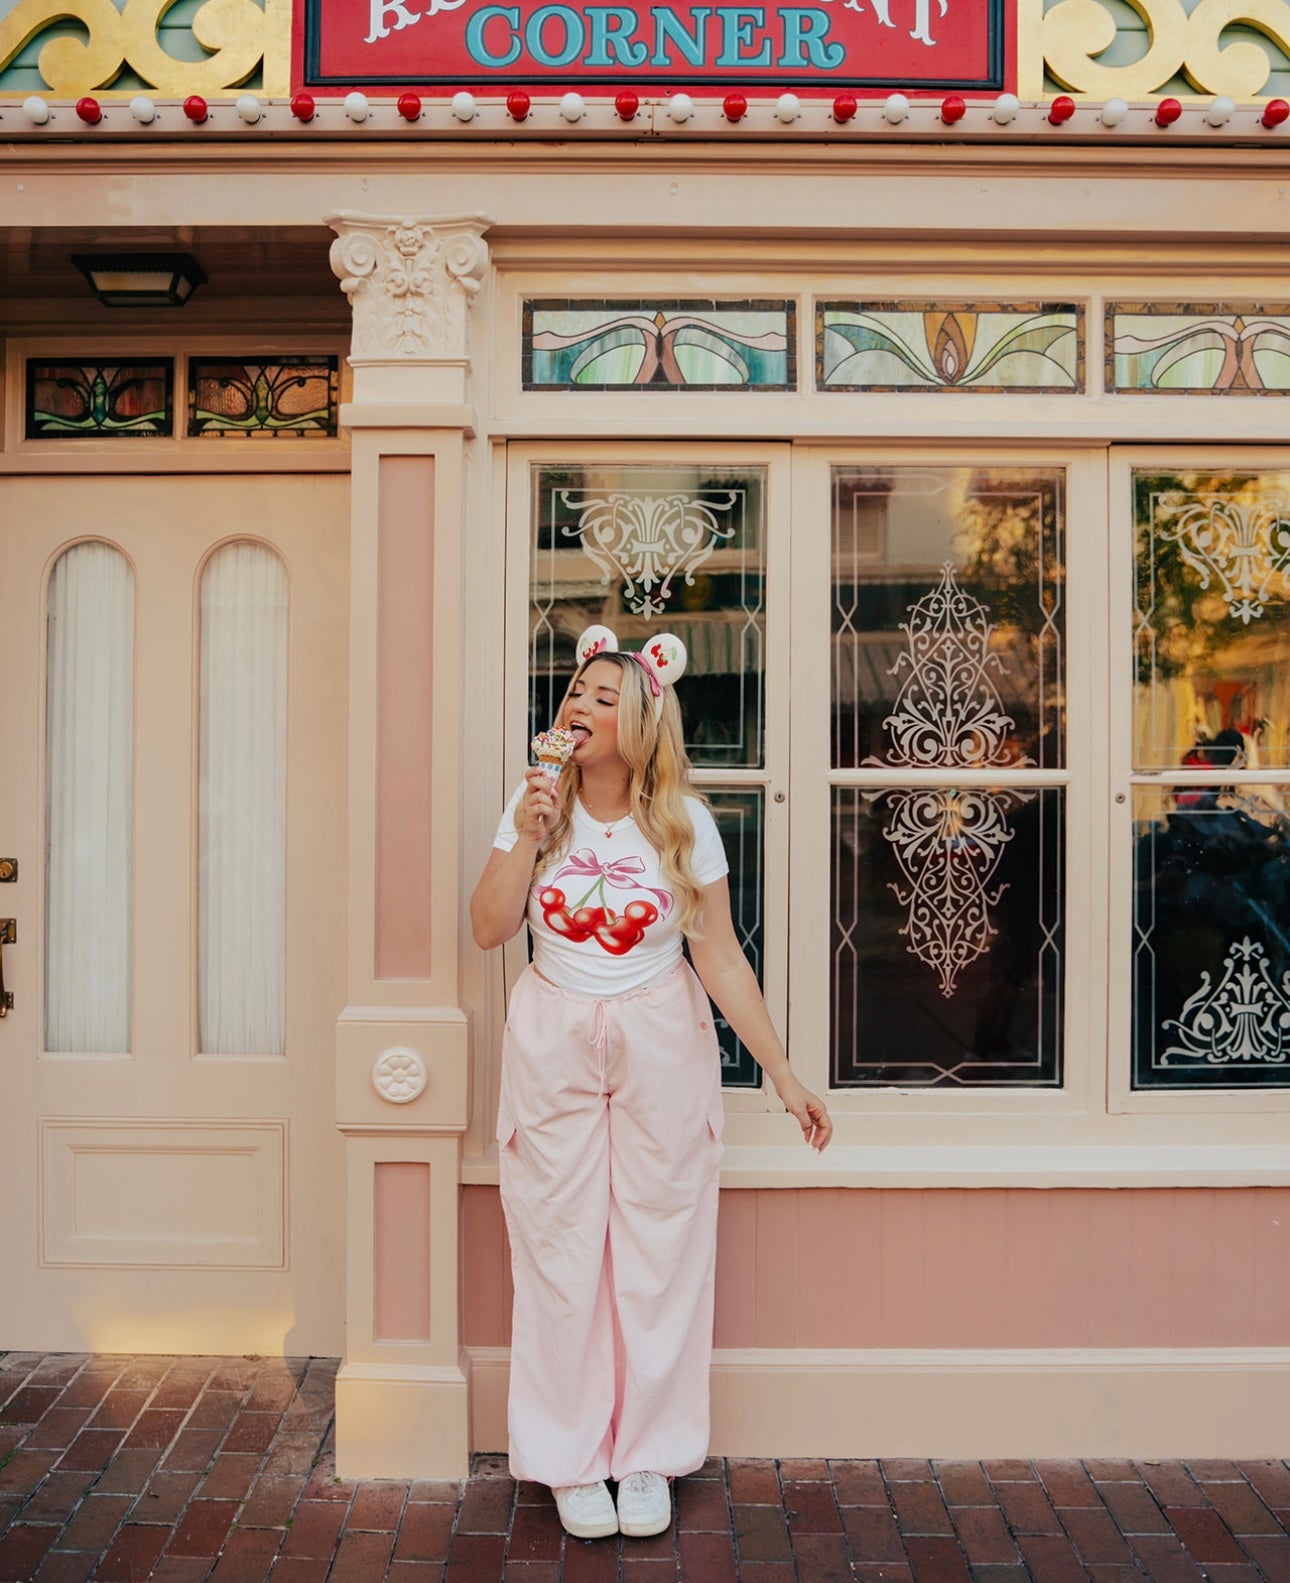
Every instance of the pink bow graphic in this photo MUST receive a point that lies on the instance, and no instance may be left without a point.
(622, 874)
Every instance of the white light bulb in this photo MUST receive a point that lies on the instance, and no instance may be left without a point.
(36, 110)
(680, 107)
(573, 107)
(1114, 111)
(463, 106)
(357, 107)
(143, 109)
(1005, 108)
(248, 107)
(896, 108)
(1220, 112)
(787, 108)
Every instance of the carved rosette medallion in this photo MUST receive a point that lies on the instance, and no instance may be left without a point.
(399, 1075)
(410, 282)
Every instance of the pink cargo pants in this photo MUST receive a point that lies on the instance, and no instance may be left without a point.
(609, 1139)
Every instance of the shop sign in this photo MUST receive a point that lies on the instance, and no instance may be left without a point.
(827, 45)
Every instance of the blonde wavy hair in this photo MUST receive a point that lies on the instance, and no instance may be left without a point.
(654, 751)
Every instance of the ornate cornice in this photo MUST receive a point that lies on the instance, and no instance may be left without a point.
(410, 282)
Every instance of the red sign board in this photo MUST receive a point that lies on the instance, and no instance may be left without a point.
(867, 46)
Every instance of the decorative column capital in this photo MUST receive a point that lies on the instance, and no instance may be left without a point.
(410, 283)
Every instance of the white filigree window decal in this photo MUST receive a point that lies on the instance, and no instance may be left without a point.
(1243, 549)
(948, 713)
(649, 540)
(1245, 1018)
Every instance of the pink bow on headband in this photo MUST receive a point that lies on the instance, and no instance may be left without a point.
(645, 665)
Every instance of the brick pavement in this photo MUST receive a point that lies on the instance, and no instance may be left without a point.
(220, 1470)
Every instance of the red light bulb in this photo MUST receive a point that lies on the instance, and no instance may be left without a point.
(1061, 109)
(627, 104)
(953, 108)
(844, 107)
(303, 106)
(195, 108)
(518, 103)
(734, 106)
(1167, 112)
(89, 110)
(1275, 112)
(409, 107)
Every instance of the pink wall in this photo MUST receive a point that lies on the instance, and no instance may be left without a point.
(405, 598)
(401, 1251)
(986, 1267)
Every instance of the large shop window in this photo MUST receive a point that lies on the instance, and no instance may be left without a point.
(959, 734)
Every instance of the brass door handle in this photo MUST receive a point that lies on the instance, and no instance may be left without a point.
(8, 936)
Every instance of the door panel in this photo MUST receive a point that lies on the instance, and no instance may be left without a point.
(160, 1199)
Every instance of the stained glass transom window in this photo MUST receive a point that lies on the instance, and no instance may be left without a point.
(966, 346)
(293, 398)
(1211, 757)
(1212, 349)
(89, 399)
(705, 345)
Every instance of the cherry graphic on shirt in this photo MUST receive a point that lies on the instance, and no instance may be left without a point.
(612, 932)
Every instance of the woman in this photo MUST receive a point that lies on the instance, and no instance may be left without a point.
(610, 1119)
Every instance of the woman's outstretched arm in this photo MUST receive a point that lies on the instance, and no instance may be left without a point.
(724, 972)
(501, 898)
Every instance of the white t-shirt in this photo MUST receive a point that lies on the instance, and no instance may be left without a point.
(602, 918)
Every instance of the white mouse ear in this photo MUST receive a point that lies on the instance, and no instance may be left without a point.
(596, 640)
(664, 656)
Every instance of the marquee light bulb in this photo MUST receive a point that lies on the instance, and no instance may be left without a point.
(627, 103)
(303, 106)
(844, 108)
(787, 108)
(1167, 112)
(1005, 108)
(680, 107)
(1114, 111)
(356, 106)
(1061, 109)
(463, 106)
(248, 107)
(734, 106)
(36, 110)
(1275, 112)
(573, 107)
(143, 109)
(89, 110)
(409, 106)
(1221, 111)
(518, 104)
(896, 108)
(953, 108)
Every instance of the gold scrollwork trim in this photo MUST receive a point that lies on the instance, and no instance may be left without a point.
(1070, 35)
(237, 35)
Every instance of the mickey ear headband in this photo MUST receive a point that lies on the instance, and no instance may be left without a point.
(662, 659)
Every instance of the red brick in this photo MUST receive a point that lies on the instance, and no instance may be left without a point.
(1205, 1535)
(872, 1533)
(91, 1450)
(858, 1483)
(1051, 1558)
(66, 1566)
(753, 1483)
(231, 1476)
(1027, 1509)
(432, 1572)
(477, 1558)
(1270, 1479)
(1214, 1469)
(984, 1535)
(203, 1529)
(165, 1498)
(799, 1470)
(157, 1426)
(247, 1557)
(709, 1557)
(964, 1484)
(252, 1432)
(119, 1409)
(761, 1534)
(29, 1404)
(426, 1531)
(236, 1374)
(635, 1569)
(57, 1498)
(702, 1506)
(486, 1506)
(309, 1413)
(1105, 1572)
(820, 1557)
(440, 1493)
(127, 1473)
(377, 1506)
(315, 1529)
(273, 1393)
(811, 1508)
(301, 1569)
(768, 1572)
(1095, 1536)
(1133, 1509)
(299, 1454)
(882, 1572)
(1271, 1555)
(535, 1536)
(145, 1372)
(22, 1549)
(59, 1368)
(193, 1450)
(133, 1555)
(213, 1410)
(96, 1520)
(920, 1509)
(1171, 1484)
(1111, 1470)
(57, 1429)
(997, 1572)
(585, 1561)
(1234, 1574)
(181, 1569)
(905, 1468)
(180, 1389)
(271, 1502)
(936, 1560)
(1164, 1558)
(88, 1388)
(1241, 1509)
(24, 1470)
(1009, 1471)
(1067, 1484)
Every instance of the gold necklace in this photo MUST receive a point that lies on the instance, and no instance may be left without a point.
(607, 826)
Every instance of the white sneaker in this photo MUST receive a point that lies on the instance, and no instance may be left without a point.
(644, 1505)
(586, 1510)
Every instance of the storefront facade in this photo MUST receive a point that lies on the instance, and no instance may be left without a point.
(951, 438)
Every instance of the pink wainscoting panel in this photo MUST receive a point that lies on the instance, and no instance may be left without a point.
(989, 1267)
(401, 1251)
(405, 578)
